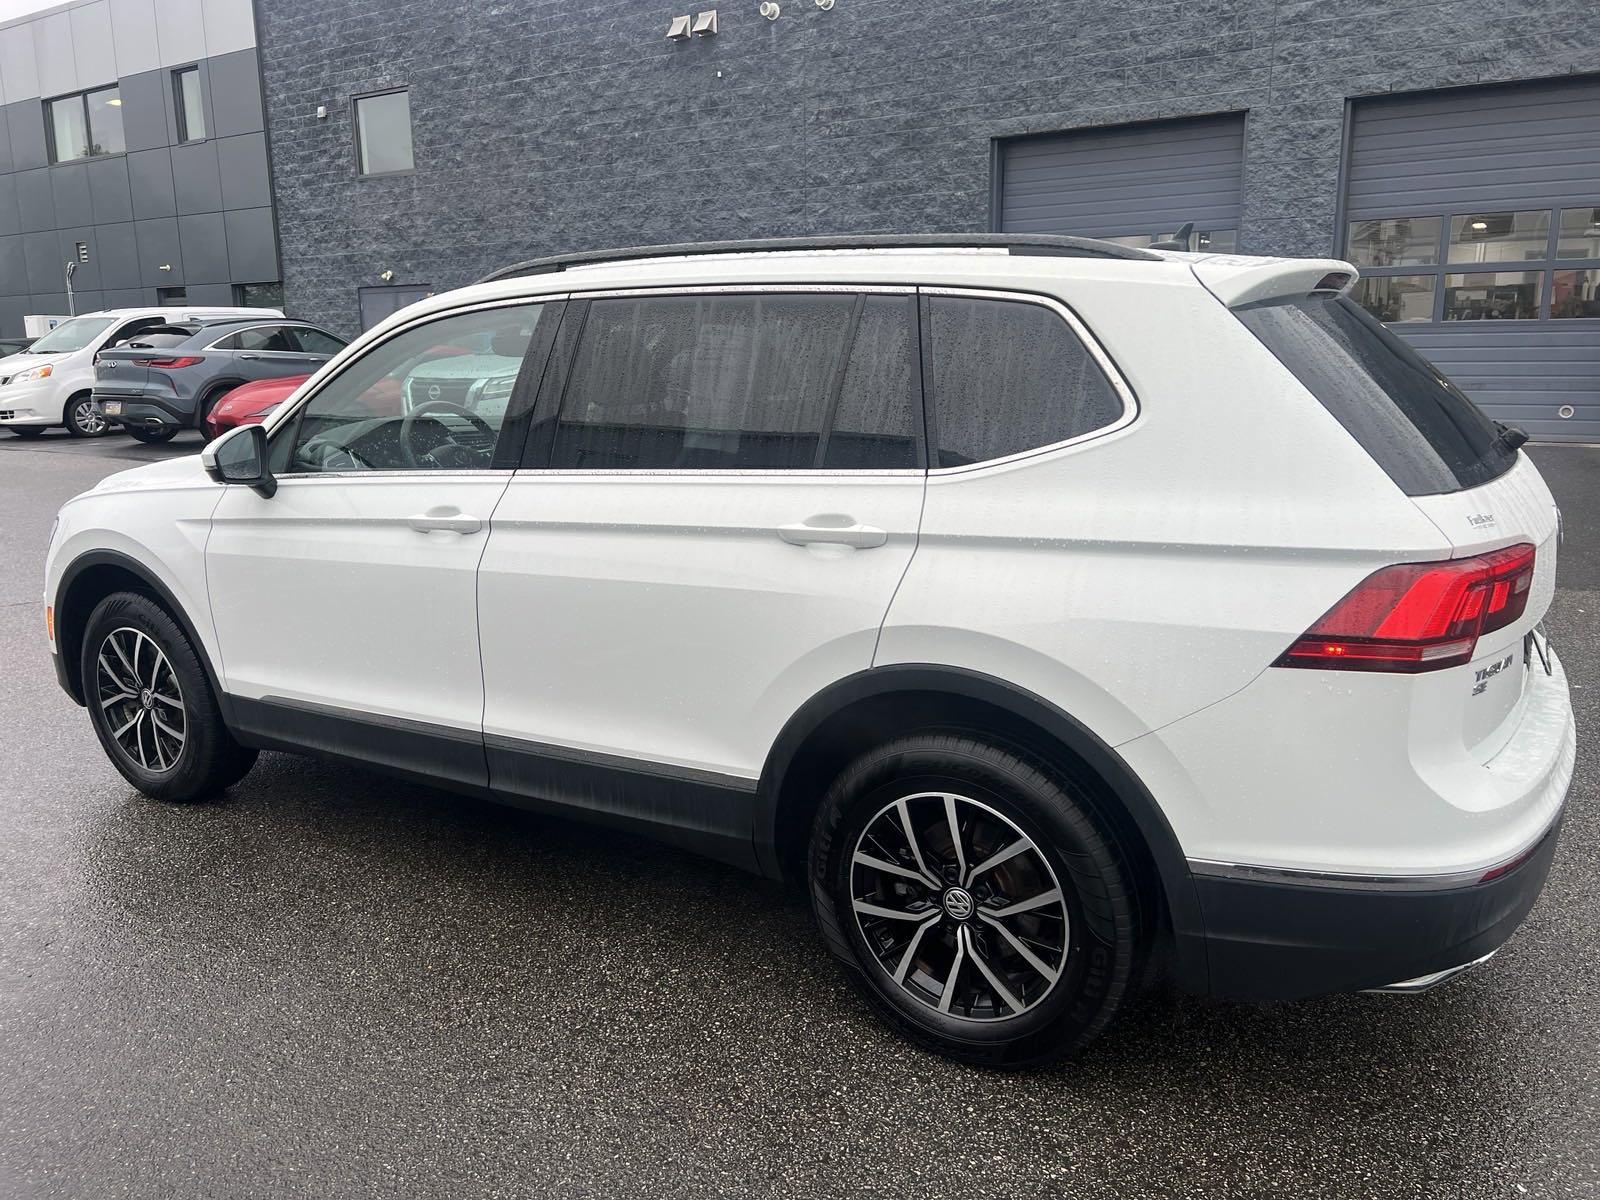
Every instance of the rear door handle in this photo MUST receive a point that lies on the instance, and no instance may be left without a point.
(444, 520)
(832, 530)
(251, 357)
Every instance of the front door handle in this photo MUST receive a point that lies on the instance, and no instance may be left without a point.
(252, 357)
(444, 519)
(831, 529)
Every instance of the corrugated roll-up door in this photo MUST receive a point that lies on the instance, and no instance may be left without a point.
(1131, 182)
(1474, 215)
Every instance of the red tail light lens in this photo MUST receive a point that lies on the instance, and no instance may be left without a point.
(168, 364)
(1418, 616)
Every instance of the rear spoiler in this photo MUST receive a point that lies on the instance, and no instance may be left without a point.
(1236, 280)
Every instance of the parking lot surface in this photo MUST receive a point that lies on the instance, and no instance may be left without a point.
(333, 984)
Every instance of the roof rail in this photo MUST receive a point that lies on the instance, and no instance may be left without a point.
(1015, 243)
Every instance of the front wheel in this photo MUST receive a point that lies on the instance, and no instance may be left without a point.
(152, 437)
(974, 900)
(151, 704)
(84, 420)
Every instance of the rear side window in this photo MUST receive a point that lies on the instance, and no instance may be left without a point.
(1009, 376)
(735, 382)
(875, 422)
(315, 341)
(1418, 426)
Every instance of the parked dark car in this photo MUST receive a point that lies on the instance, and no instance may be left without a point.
(168, 378)
(15, 345)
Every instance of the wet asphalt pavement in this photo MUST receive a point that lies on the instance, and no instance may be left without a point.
(330, 984)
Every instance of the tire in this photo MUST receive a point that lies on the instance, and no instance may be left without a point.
(1002, 1012)
(196, 757)
(27, 432)
(152, 437)
(81, 419)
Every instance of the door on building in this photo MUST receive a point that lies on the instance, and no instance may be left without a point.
(1132, 184)
(379, 302)
(1474, 215)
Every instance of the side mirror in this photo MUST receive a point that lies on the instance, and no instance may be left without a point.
(240, 456)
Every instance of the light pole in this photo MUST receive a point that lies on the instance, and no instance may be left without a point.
(72, 266)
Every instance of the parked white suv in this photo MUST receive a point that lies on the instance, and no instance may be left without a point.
(50, 382)
(1061, 613)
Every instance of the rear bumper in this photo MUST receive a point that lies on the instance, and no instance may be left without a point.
(1287, 935)
(144, 412)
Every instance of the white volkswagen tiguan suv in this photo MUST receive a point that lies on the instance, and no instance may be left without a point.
(1062, 614)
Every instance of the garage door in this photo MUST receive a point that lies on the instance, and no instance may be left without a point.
(1131, 183)
(1475, 218)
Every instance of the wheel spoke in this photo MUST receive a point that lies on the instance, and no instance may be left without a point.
(111, 674)
(1000, 989)
(877, 864)
(1053, 896)
(999, 856)
(916, 849)
(955, 836)
(889, 914)
(138, 739)
(911, 946)
(168, 701)
(949, 992)
(165, 728)
(132, 721)
(116, 648)
(1021, 947)
(104, 703)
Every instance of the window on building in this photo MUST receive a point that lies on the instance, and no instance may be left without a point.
(84, 125)
(1523, 265)
(383, 133)
(1008, 376)
(190, 108)
(258, 295)
(172, 296)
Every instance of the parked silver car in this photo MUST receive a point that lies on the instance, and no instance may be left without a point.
(168, 378)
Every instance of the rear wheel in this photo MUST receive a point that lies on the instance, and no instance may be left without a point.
(152, 437)
(83, 420)
(151, 704)
(27, 432)
(974, 900)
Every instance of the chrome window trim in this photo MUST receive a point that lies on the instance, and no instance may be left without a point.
(314, 386)
(731, 473)
(1130, 402)
(404, 473)
(746, 289)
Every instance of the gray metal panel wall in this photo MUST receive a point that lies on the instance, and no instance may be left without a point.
(1130, 179)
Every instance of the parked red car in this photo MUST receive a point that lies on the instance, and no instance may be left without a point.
(248, 403)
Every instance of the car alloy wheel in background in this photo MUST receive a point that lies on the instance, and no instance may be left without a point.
(85, 420)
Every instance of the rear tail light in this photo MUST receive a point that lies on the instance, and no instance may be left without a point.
(168, 364)
(1418, 616)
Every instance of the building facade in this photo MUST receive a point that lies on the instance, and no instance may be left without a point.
(134, 146)
(1364, 128)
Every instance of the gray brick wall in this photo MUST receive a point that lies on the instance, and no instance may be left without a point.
(551, 125)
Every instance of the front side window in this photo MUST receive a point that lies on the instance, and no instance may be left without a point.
(269, 338)
(191, 111)
(315, 341)
(383, 133)
(84, 125)
(71, 335)
(1009, 376)
(432, 398)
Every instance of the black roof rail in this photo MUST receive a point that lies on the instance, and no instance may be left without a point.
(1015, 243)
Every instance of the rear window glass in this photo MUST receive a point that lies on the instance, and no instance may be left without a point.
(158, 339)
(1007, 377)
(1416, 424)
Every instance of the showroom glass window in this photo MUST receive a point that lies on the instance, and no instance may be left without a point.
(188, 105)
(769, 381)
(431, 398)
(84, 125)
(1524, 265)
(383, 133)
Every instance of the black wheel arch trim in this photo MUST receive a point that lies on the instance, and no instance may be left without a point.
(1177, 885)
(66, 673)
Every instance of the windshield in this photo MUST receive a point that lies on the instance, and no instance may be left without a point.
(71, 335)
(1420, 427)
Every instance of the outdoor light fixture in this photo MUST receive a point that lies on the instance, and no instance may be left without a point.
(679, 29)
(1480, 224)
(705, 24)
(387, 276)
(825, 5)
(164, 267)
(769, 10)
(114, 102)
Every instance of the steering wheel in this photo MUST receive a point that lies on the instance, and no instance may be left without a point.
(408, 423)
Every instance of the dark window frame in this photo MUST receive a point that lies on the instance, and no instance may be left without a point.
(355, 131)
(51, 151)
(1440, 270)
(180, 109)
(560, 370)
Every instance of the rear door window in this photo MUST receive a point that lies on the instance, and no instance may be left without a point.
(1417, 425)
(739, 382)
(314, 341)
(1009, 376)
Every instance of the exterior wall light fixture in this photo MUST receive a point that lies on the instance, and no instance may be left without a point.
(770, 10)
